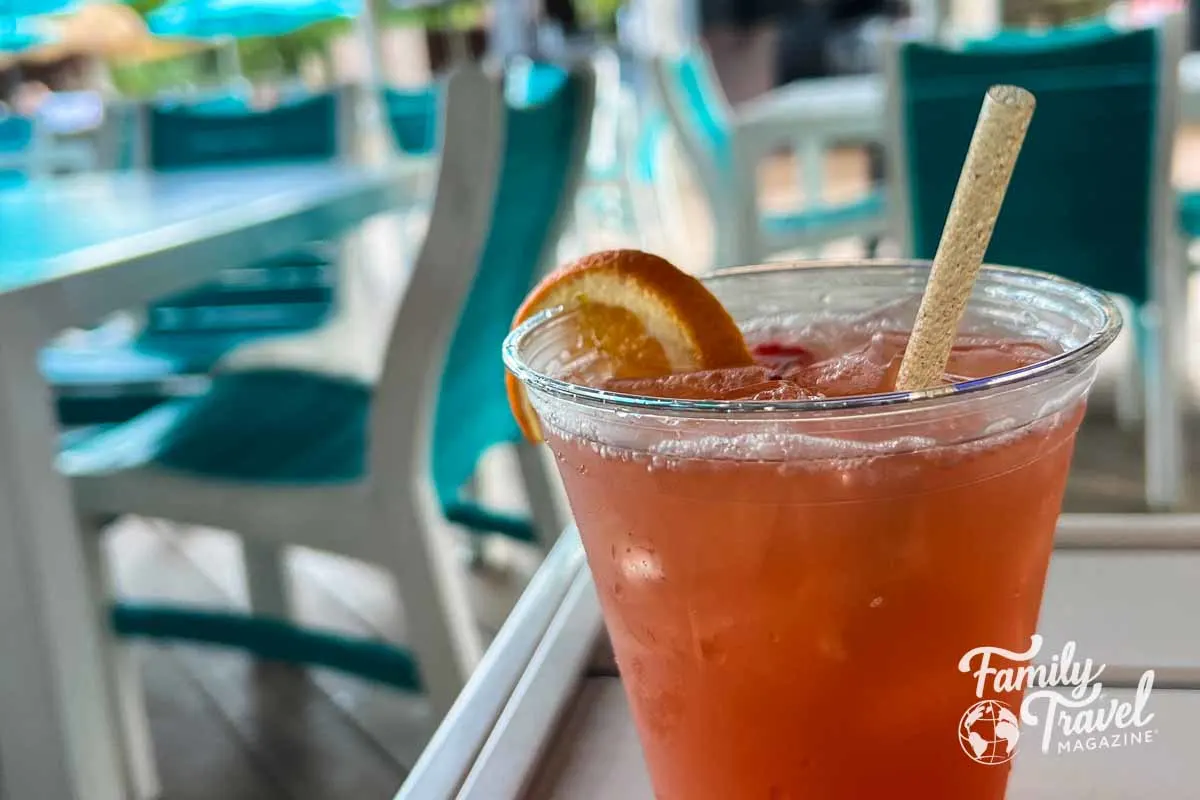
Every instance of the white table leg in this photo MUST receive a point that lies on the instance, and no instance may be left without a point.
(57, 723)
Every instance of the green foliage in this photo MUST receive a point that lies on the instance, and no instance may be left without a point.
(459, 15)
(144, 7)
(146, 80)
(599, 13)
(278, 56)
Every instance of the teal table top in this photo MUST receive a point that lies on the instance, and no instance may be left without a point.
(78, 248)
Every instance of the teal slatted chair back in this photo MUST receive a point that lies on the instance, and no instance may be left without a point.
(697, 106)
(543, 157)
(1083, 198)
(1022, 39)
(412, 118)
(225, 132)
(705, 106)
(294, 292)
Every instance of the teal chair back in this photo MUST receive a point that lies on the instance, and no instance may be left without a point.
(704, 106)
(412, 117)
(292, 293)
(16, 134)
(225, 132)
(1021, 39)
(1085, 198)
(543, 155)
(528, 82)
(16, 137)
(696, 106)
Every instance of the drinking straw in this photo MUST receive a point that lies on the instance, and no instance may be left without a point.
(991, 157)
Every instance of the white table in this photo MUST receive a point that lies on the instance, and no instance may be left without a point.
(545, 716)
(852, 108)
(811, 115)
(74, 250)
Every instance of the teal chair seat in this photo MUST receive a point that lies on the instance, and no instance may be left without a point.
(1189, 214)
(281, 427)
(268, 426)
(99, 378)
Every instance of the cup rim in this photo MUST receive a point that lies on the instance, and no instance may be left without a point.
(1101, 338)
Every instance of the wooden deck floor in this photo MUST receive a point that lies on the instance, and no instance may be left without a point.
(226, 726)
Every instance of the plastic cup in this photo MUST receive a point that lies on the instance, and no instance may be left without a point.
(789, 586)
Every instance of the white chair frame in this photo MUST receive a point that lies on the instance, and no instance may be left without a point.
(390, 517)
(739, 236)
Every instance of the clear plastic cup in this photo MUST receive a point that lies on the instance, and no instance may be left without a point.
(789, 586)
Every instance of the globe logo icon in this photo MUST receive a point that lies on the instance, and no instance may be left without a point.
(988, 732)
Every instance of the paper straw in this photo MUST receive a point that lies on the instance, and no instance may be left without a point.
(991, 157)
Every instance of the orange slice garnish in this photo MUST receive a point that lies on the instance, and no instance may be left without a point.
(641, 314)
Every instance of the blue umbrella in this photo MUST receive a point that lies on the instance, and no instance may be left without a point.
(32, 8)
(212, 19)
(22, 33)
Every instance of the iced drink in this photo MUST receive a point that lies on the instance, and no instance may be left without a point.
(792, 558)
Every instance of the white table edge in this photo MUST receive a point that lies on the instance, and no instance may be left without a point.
(507, 754)
(382, 187)
(446, 760)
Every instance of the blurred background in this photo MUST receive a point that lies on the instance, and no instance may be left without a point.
(274, 404)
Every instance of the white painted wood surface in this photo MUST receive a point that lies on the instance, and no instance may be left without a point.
(1122, 593)
(597, 757)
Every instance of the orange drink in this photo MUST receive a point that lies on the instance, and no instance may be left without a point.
(791, 557)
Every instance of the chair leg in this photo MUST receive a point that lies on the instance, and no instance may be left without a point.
(442, 633)
(124, 676)
(542, 489)
(1164, 423)
(266, 579)
(476, 550)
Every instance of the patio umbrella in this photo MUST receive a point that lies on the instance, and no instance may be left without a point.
(218, 19)
(33, 8)
(109, 31)
(18, 34)
(226, 20)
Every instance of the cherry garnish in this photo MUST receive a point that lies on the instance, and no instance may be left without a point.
(780, 356)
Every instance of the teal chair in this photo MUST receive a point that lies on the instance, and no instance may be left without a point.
(703, 122)
(372, 470)
(1088, 199)
(294, 292)
(611, 201)
(412, 119)
(107, 377)
(1016, 40)
(16, 147)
